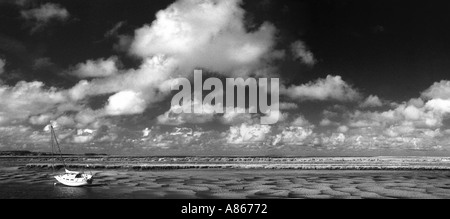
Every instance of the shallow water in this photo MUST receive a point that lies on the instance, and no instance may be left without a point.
(227, 183)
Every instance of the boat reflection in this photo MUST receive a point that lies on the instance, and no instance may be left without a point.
(71, 192)
(63, 191)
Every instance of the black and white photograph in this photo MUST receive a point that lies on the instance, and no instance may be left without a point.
(224, 99)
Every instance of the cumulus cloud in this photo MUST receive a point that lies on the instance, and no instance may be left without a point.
(87, 116)
(293, 135)
(96, 68)
(439, 90)
(133, 91)
(330, 88)
(19, 135)
(27, 99)
(245, 133)
(343, 129)
(83, 137)
(46, 13)
(298, 132)
(177, 137)
(301, 52)
(415, 124)
(41, 119)
(301, 121)
(188, 34)
(65, 121)
(206, 34)
(371, 101)
(172, 118)
(146, 132)
(125, 103)
(439, 105)
(232, 117)
(336, 139)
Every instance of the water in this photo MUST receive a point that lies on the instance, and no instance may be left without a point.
(227, 183)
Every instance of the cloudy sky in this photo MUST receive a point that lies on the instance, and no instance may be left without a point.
(356, 77)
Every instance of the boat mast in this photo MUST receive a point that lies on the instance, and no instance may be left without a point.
(53, 153)
(57, 144)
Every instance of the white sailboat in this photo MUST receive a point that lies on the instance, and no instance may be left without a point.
(69, 178)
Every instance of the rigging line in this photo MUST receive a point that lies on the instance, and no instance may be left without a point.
(53, 154)
(57, 144)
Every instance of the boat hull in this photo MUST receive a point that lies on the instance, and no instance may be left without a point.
(67, 180)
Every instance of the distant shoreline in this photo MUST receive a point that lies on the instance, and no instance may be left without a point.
(143, 167)
(295, 163)
(40, 154)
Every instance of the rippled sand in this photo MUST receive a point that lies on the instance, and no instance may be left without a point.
(15, 183)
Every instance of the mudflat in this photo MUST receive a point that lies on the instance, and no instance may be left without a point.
(18, 182)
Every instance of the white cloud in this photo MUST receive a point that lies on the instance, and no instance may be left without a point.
(232, 117)
(330, 88)
(293, 135)
(44, 14)
(417, 102)
(125, 103)
(404, 128)
(2, 65)
(412, 113)
(19, 137)
(371, 101)
(343, 129)
(146, 132)
(188, 34)
(172, 118)
(41, 119)
(96, 68)
(86, 117)
(439, 105)
(439, 90)
(148, 78)
(110, 137)
(301, 121)
(415, 124)
(65, 121)
(27, 99)
(336, 139)
(300, 51)
(82, 139)
(206, 34)
(245, 133)
(178, 137)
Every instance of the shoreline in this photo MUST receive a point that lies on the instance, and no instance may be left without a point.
(273, 163)
(235, 166)
(312, 163)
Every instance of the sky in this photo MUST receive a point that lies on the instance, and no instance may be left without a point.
(357, 78)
